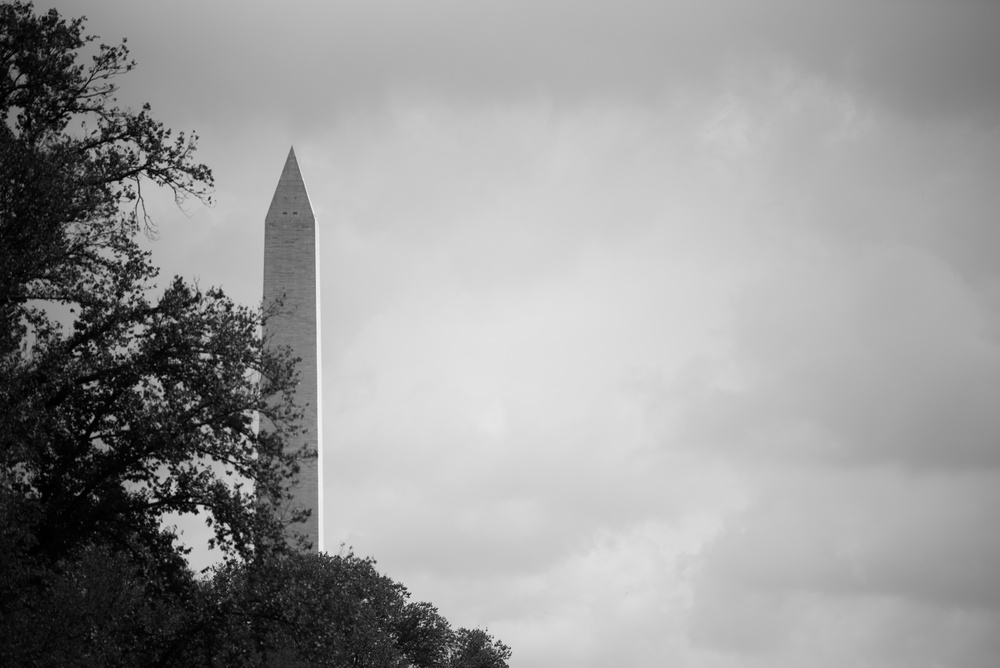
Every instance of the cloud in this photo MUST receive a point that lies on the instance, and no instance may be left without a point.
(851, 564)
(885, 358)
(609, 318)
(308, 61)
(654, 333)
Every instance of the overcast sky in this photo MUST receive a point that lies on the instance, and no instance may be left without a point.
(654, 333)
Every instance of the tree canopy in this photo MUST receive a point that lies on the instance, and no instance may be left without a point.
(123, 402)
(117, 405)
(323, 610)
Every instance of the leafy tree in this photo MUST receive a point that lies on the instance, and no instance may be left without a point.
(323, 610)
(94, 610)
(117, 406)
(133, 406)
(313, 609)
(423, 636)
(121, 404)
(476, 648)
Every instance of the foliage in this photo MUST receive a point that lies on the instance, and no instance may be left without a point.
(93, 610)
(71, 159)
(121, 405)
(117, 408)
(323, 610)
(476, 648)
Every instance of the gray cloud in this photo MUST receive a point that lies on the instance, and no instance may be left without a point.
(655, 334)
(308, 61)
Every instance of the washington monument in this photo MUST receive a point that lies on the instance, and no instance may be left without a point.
(291, 270)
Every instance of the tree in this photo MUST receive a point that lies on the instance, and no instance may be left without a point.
(94, 610)
(118, 405)
(329, 610)
(476, 648)
(121, 404)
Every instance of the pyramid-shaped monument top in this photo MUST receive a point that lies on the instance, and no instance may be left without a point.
(290, 197)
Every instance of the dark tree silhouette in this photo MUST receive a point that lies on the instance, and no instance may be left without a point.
(118, 405)
(122, 403)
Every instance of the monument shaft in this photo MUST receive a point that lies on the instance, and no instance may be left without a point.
(291, 273)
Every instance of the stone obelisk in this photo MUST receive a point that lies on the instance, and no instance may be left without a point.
(291, 272)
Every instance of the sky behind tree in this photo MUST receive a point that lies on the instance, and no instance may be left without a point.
(654, 333)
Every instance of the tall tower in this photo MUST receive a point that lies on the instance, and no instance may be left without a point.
(291, 269)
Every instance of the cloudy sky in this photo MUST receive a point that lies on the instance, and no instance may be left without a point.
(655, 333)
